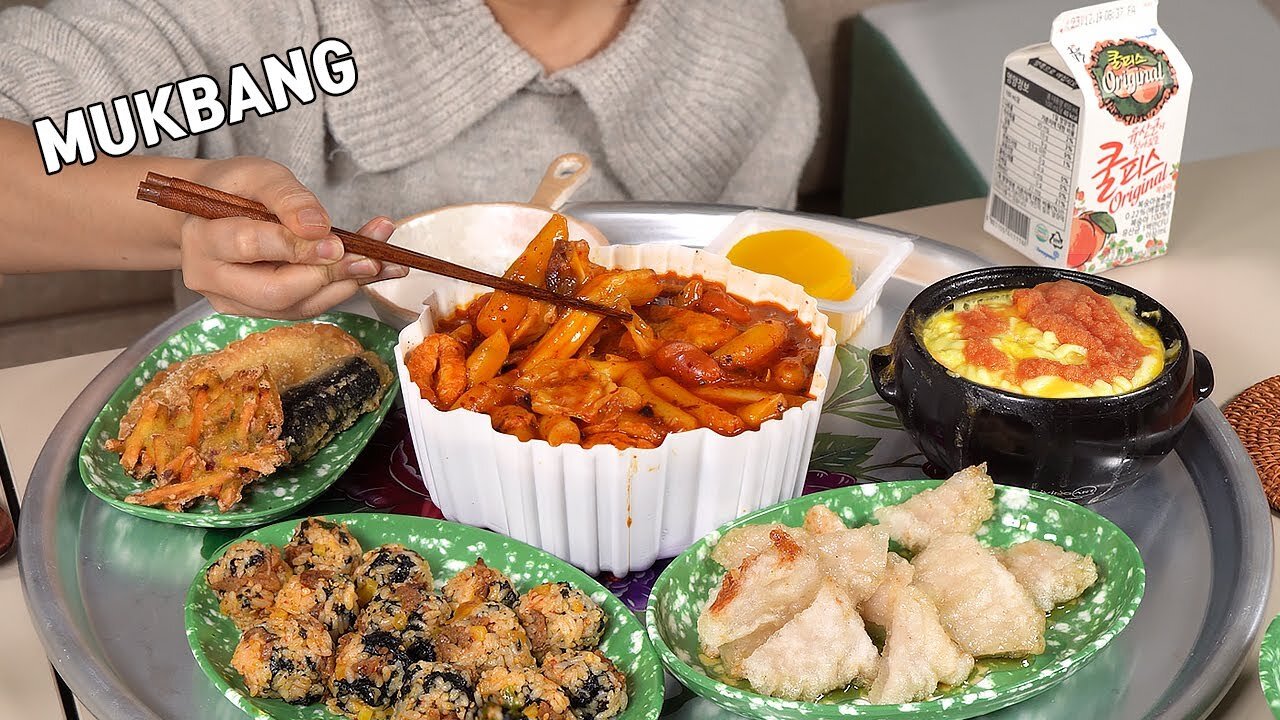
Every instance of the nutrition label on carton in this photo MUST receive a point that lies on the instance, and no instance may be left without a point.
(1035, 152)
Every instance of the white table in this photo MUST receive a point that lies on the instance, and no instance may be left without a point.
(1223, 254)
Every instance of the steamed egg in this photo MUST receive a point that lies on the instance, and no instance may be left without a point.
(944, 336)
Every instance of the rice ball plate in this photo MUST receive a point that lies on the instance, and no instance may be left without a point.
(448, 548)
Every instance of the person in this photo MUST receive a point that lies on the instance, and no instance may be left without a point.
(456, 101)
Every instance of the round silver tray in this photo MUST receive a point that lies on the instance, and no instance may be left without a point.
(106, 589)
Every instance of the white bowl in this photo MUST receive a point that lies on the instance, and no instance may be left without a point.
(875, 254)
(603, 508)
(483, 236)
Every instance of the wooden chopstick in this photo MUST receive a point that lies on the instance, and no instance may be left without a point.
(195, 199)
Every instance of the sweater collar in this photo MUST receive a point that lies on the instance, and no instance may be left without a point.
(680, 97)
(427, 72)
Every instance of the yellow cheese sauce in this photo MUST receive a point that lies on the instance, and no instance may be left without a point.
(1022, 350)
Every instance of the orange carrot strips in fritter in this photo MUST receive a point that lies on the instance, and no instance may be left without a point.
(754, 347)
(559, 430)
(672, 416)
(141, 431)
(487, 359)
(712, 416)
(179, 495)
(505, 311)
(755, 414)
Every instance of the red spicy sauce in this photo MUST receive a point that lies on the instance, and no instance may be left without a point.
(1076, 314)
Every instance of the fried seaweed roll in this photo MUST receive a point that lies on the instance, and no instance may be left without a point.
(331, 401)
(287, 657)
(318, 544)
(597, 690)
(558, 616)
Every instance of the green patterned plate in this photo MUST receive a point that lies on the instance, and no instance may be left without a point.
(1269, 666)
(1074, 635)
(448, 547)
(268, 499)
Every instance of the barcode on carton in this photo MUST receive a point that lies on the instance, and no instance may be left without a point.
(1008, 216)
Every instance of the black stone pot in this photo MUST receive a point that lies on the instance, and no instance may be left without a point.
(1082, 449)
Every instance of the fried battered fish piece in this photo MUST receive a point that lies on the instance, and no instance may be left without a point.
(823, 648)
(959, 505)
(748, 541)
(979, 601)
(878, 608)
(763, 593)
(918, 653)
(854, 557)
(1050, 574)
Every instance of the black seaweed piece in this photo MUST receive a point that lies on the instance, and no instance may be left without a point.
(363, 688)
(588, 698)
(422, 649)
(327, 404)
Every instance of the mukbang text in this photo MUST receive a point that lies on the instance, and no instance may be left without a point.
(144, 117)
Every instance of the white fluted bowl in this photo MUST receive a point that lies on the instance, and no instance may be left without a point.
(603, 508)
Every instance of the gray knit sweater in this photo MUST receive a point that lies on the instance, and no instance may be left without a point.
(695, 100)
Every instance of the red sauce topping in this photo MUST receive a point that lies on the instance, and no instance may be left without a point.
(1073, 312)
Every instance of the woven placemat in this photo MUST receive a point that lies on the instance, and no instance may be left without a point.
(1255, 415)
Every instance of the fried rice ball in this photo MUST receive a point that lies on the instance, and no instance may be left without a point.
(368, 675)
(596, 688)
(387, 566)
(413, 612)
(520, 694)
(287, 657)
(480, 583)
(246, 579)
(318, 544)
(558, 616)
(436, 691)
(483, 636)
(330, 597)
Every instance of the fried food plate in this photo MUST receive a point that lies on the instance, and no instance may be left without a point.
(269, 498)
(1075, 633)
(448, 548)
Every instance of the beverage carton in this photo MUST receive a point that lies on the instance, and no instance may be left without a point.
(1089, 140)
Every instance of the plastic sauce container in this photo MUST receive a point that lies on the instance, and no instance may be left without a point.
(875, 256)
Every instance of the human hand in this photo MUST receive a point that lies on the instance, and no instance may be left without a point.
(289, 271)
